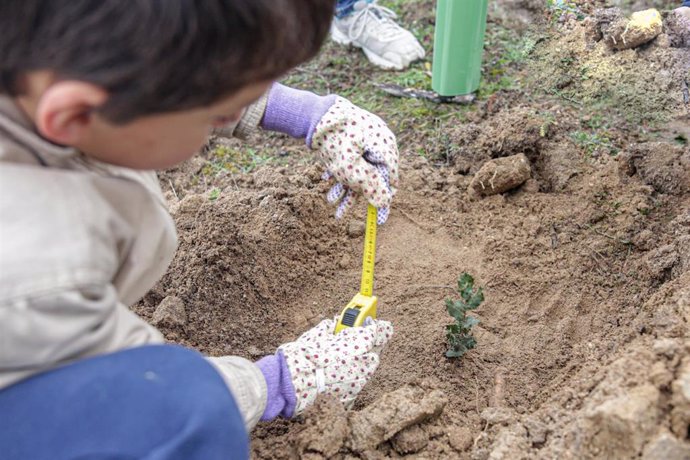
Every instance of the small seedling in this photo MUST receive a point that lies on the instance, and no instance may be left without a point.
(459, 334)
(561, 9)
(214, 194)
(594, 143)
(549, 120)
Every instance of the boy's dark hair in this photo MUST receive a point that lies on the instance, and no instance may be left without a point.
(155, 56)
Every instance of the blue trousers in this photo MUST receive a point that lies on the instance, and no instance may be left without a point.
(153, 402)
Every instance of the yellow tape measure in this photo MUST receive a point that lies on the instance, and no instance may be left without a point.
(363, 305)
(367, 285)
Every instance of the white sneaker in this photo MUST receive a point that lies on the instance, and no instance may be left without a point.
(372, 28)
(683, 11)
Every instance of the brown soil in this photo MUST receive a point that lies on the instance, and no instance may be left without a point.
(582, 347)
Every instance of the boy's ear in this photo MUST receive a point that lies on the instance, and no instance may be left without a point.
(65, 110)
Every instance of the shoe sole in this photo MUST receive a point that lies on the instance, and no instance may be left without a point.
(340, 38)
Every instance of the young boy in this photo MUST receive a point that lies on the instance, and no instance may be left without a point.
(93, 95)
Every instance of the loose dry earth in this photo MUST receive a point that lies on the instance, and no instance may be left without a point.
(583, 347)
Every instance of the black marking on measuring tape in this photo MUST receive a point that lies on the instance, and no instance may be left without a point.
(350, 316)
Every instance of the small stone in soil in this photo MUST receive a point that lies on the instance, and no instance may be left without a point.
(460, 438)
(410, 441)
(170, 312)
(355, 229)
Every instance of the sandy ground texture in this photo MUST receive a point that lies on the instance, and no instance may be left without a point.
(577, 227)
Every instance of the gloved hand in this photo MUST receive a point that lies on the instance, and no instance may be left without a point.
(340, 365)
(358, 148)
(361, 153)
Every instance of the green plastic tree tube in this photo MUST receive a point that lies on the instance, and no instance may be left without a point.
(458, 46)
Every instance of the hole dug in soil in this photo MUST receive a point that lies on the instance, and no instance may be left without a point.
(585, 310)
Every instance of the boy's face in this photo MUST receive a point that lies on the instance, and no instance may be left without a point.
(161, 141)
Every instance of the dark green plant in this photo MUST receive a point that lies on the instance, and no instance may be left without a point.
(459, 334)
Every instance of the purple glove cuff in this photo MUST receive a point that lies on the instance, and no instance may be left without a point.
(294, 112)
(281, 398)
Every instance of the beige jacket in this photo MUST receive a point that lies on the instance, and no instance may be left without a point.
(80, 241)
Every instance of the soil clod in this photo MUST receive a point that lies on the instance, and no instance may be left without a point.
(619, 426)
(640, 28)
(666, 446)
(170, 312)
(324, 434)
(392, 413)
(460, 438)
(410, 440)
(501, 175)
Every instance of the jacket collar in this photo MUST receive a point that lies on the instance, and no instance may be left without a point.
(21, 132)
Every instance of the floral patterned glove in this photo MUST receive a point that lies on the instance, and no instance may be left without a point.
(361, 153)
(322, 362)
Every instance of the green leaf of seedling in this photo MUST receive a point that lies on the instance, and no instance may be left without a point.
(465, 284)
(454, 353)
(476, 299)
(464, 281)
(467, 289)
(469, 343)
(470, 322)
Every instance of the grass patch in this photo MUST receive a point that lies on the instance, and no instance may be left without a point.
(505, 52)
(223, 158)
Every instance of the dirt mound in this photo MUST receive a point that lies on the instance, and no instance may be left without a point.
(634, 403)
(641, 85)
(665, 167)
(240, 256)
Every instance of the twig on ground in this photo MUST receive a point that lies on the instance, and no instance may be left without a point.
(563, 96)
(499, 385)
(554, 237)
(476, 394)
(234, 182)
(599, 232)
(476, 440)
(625, 262)
(173, 190)
(605, 235)
(415, 93)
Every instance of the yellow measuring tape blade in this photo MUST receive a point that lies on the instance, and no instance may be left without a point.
(363, 305)
(367, 287)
